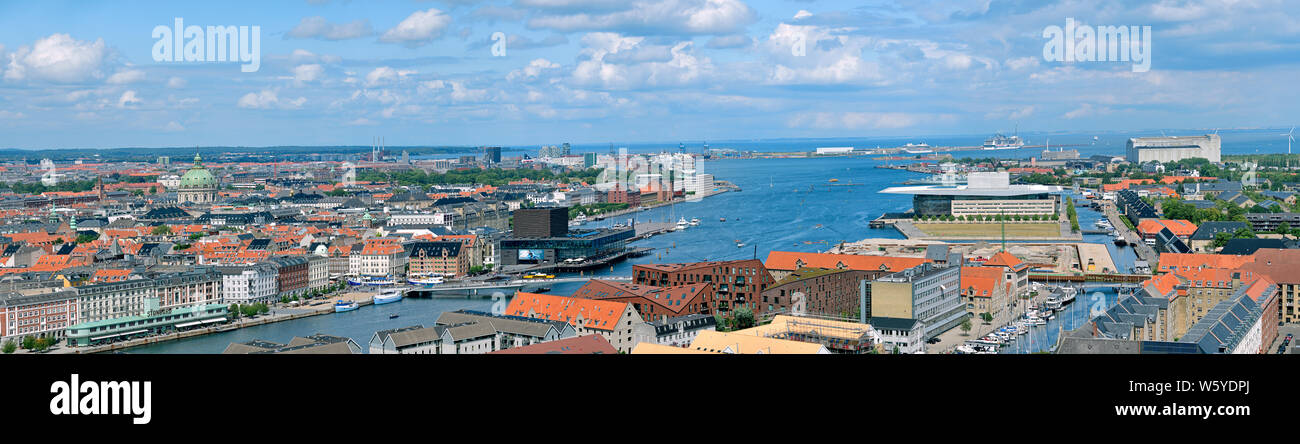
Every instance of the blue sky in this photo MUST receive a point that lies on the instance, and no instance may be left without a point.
(81, 74)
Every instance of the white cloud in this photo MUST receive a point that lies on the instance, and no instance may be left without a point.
(531, 72)
(267, 99)
(461, 93)
(319, 28)
(384, 74)
(802, 14)
(58, 58)
(175, 83)
(303, 56)
(128, 100)
(125, 77)
(419, 28)
(173, 127)
(362, 121)
(658, 17)
(681, 67)
(307, 73)
(1022, 63)
(6, 114)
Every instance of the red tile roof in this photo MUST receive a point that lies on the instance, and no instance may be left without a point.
(980, 281)
(1005, 259)
(595, 314)
(1179, 227)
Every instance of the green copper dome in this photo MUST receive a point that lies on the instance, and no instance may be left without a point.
(198, 176)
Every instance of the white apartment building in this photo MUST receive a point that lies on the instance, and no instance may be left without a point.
(250, 284)
(318, 272)
(379, 257)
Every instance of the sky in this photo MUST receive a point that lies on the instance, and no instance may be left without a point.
(77, 74)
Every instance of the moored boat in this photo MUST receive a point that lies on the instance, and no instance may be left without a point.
(425, 280)
(387, 297)
(342, 306)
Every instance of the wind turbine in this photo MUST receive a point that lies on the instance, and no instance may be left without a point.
(1290, 137)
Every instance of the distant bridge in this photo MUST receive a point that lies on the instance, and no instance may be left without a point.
(511, 285)
(1089, 277)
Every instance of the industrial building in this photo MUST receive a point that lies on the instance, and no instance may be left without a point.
(1173, 149)
(579, 245)
(541, 222)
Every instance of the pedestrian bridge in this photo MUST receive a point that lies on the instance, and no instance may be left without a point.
(511, 285)
(1089, 277)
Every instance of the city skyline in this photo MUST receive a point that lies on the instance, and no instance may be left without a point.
(586, 71)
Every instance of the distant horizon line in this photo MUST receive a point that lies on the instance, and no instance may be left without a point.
(647, 142)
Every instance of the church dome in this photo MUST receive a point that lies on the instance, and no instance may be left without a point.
(198, 177)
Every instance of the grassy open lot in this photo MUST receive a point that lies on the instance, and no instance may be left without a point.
(987, 230)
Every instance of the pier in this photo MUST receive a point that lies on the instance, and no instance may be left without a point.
(1144, 251)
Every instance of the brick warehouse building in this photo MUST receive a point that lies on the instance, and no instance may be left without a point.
(736, 283)
(827, 291)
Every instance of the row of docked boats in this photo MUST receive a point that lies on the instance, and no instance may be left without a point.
(385, 297)
(1106, 225)
(682, 223)
(379, 282)
(1034, 316)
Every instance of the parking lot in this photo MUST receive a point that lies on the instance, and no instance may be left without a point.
(1282, 331)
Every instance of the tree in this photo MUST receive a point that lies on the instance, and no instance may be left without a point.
(9, 347)
(988, 318)
(29, 342)
(161, 230)
(153, 190)
(965, 327)
(1283, 228)
(196, 236)
(1220, 240)
(263, 308)
(87, 238)
(234, 310)
(743, 318)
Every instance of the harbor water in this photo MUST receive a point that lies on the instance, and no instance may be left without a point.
(787, 204)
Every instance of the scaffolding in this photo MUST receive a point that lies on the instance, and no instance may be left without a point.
(836, 335)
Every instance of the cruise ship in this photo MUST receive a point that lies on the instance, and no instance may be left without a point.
(915, 148)
(1001, 142)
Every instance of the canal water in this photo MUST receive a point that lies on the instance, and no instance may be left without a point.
(785, 204)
